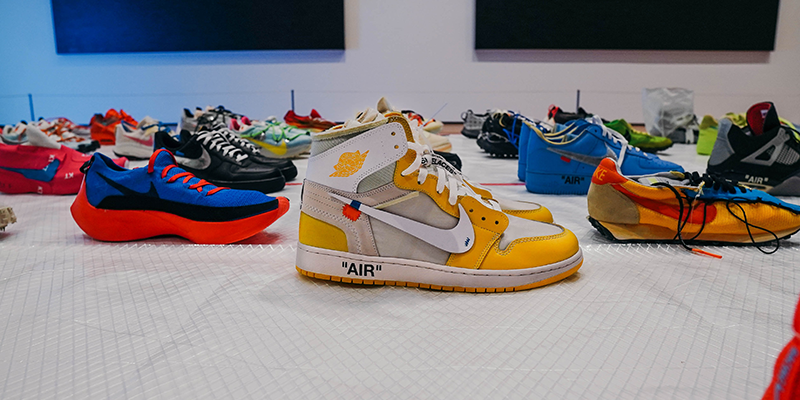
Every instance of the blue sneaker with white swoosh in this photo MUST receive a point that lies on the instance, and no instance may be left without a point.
(562, 162)
(378, 209)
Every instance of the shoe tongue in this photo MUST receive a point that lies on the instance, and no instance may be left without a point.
(762, 117)
(384, 106)
(162, 158)
(315, 114)
(38, 138)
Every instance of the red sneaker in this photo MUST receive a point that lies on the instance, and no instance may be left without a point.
(785, 383)
(41, 166)
(313, 122)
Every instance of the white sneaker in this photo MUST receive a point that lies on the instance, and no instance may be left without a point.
(376, 209)
(136, 143)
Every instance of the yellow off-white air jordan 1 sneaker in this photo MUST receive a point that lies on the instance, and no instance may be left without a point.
(377, 210)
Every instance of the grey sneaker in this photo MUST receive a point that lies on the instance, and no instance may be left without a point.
(7, 217)
(473, 123)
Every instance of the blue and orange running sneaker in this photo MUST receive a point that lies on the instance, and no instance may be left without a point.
(562, 162)
(116, 204)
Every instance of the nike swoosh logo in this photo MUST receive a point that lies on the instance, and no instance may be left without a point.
(42, 175)
(278, 150)
(140, 141)
(128, 191)
(456, 240)
(195, 163)
(584, 158)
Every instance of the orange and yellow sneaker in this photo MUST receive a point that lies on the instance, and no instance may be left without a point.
(679, 207)
(377, 209)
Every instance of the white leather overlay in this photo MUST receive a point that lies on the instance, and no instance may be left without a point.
(339, 166)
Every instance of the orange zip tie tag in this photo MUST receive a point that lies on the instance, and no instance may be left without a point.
(703, 252)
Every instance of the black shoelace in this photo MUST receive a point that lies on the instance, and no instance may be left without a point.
(717, 183)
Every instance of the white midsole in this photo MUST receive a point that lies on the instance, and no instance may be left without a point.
(137, 150)
(357, 266)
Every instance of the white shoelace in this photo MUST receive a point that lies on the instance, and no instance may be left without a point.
(615, 137)
(426, 163)
(235, 140)
(216, 140)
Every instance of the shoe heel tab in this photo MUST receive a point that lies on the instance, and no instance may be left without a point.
(607, 172)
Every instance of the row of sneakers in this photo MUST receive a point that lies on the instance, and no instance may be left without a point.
(498, 133)
(275, 139)
(62, 130)
(379, 208)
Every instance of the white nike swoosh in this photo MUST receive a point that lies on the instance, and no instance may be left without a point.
(196, 163)
(456, 240)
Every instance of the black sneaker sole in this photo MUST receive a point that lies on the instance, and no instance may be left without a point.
(502, 150)
(289, 173)
(472, 134)
(610, 236)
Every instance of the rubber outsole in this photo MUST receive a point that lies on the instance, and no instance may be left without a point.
(352, 268)
(610, 236)
(504, 150)
(442, 288)
(127, 225)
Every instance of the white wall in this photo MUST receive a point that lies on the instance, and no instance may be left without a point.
(418, 52)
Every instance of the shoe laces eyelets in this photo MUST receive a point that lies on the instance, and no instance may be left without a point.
(483, 218)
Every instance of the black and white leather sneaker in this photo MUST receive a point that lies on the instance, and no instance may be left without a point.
(208, 155)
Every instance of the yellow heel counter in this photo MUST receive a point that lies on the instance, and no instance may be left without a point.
(316, 233)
